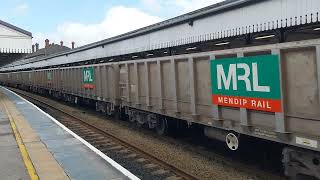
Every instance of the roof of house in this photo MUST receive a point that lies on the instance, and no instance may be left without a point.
(16, 28)
(52, 49)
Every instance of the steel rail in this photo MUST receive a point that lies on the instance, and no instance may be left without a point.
(158, 161)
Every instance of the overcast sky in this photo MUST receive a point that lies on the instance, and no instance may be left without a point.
(85, 21)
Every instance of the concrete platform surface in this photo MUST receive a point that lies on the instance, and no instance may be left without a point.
(55, 151)
(11, 163)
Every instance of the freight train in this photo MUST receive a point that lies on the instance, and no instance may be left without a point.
(260, 80)
(269, 92)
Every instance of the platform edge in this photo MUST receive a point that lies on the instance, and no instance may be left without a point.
(98, 152)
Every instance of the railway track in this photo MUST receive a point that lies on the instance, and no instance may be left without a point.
(204, 159)
(138, 161)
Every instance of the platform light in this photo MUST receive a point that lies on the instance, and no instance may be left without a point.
(222, 43)
(317, 29)
(265, 37)
(191, 48)
(165, 52)
(101, 61)
(110, 60)
(150, 54)
(134, 57)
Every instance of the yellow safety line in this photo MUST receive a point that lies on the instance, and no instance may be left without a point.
(24, 153)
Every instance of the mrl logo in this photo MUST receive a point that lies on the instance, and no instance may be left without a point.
(88, 77)
(234, 77)
(249, 82)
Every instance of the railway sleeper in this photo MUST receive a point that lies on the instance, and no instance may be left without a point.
(97, 142)
(96, 138)
(88, 135)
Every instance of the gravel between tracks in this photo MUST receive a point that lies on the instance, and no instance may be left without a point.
(211, 166)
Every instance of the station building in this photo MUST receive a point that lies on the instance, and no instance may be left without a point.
(14, 43)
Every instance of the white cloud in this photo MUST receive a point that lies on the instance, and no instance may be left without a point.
(21, 9)
(118, 20)
(176, 6)
(191, 5)
(154, 5)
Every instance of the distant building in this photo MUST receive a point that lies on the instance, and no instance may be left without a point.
(14, 42)
(47, 50)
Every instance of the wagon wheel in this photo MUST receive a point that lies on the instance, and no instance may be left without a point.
(232, 141)
(162, 127)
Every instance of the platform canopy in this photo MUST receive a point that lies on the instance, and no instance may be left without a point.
(14, 42)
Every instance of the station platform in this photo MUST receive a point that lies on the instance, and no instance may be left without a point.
(36, 146)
